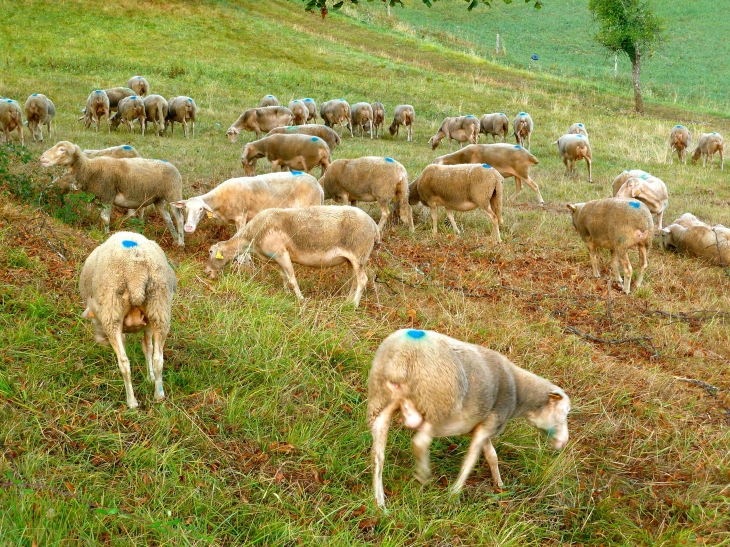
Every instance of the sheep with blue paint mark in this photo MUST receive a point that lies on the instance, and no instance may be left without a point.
(523, 126)
(181, 109)
(647, 188)
(368, 179)
(139, 85)
(11, 119)
(618, 225)
(311, 108)
(127, 286)
(318, 237)
(680, 140)
(238, 200)
(709, 145)
(336, 112)
(299, 152)
(39, 111)
(130, 109)
(443, 387)
(116, 94)
(578, 129)
(574, 147)
(97, 108)
(155, 109)
(299, 111)
(268, 100)
(260, 120)
(460, 129)
(405, 115)
(361, 116)
(460, 188)
(495, 124)
(330, 136)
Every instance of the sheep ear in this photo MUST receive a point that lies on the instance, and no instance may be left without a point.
(571, 207)
(179, 204)
(555, 396)
(666, 230)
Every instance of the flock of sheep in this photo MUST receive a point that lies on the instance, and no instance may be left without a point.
(440, 386)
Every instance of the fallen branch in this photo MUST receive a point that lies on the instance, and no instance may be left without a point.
(712, 390)
(616, 341)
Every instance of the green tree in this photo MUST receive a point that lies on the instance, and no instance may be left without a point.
(325, 5)
(629, 27)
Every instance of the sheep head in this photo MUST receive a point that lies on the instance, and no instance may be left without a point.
(63, 153)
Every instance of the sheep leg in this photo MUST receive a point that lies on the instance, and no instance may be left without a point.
(450, 214)
(106, 215)
(421, 443)
(572, 167)
(532, 184)
(117, 342)
(384, 214)
(285, 264)
(434, 219)
(158, 360)
(379, 431)
(722, 161)
(626, 263)
(590, 172)
(185, 127)
(495, 221)
(480, 435)
(643, 263)
(490, 454)
(359, 282)
(529, 139)
(567, 168)
(147, 350)
(594, 259)
(177, 236)
(142, 124)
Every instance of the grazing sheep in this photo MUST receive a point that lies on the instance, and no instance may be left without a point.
(122, 151)
(269, 100)
(378, 118)
(127, 286)
(496, 124)
(619, 225)
(694, 238)
(649, 190)
(336, 112)
(312, 108)
(155, 109)
(460, 188)
(575, 147)
(130, 109)
(708, 145)
(299, 112)
(318, 237)
(181, 109)
(329, 136)
(680, 140)
(511, 160)
(299, 152)
(578, 129)
(39, 111)
(461, 129)
(130, 183)
(97, 107)
(368, 179)
(116, 94)
(361, 115)
(139, 85)
(11, 119)
(522, 125)
(238, 200)
(444, 387)
(260, 120)
(405, 115)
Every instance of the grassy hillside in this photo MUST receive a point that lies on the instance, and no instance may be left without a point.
(262, 439)
(685, 70)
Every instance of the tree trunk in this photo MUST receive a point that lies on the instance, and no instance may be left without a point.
(636, 73)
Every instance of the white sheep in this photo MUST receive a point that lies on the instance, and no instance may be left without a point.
(127, 286)
(522, 126)
(11, 119)
(688, 235)
(155, 109)
(444, 387)
(708, 145)
(495, 124)
(578, 129)
(97, 108)
(646, 188)
(182, 110)
(238, 200)
(460, 129)
(336, 112)
(460, 188)
(368, 179)
(405, 115)
(139, 85)
(39, 111)
(318, 237)
(680, 140)
(574, 147)
(130, 109)
(300, 112)
(130, 183)
(361, 116)
(312, 108)
(268, 100)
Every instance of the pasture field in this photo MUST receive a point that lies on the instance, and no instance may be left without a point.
(262, 438)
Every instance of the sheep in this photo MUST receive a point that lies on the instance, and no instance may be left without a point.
(460, 188)
(361, 114)
(574, 147)
(181, 109)
(522, 125)
(578, 129)
(130, 109)
(269, 100)
(300, 152)
(619, 225)
(299, 111)
(649, 190)
(39, 111)
(139, 85)
(405, 115)
(495, 124)
(318, 237)
(129, 182)
(238, 200)
(11, 119)
(329, 136)
(444, 387)
(687, 220)
(127, 286)
(511, 160)
(680, 140)
(260, 120)
(368, 179)
(116, 94)
(155, 109)
(699, 240)
(97, 107)
(312, 108)
(378, 118)
(336, 112)
(708, 145)
(122, 151)
(461, 129)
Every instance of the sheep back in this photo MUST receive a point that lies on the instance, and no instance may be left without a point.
(330, 136)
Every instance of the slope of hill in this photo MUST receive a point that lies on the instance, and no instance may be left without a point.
(262, 439)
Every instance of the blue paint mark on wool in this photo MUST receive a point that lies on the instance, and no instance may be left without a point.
(308, 100)
(190, 100)
(35, 94)
(517, 146)
(390, 160)
(470, 116)
(296, 173)
(677, 126)
(486, 166)
(579, 136)
(645, 176)
(635, 204)
(580, 125)
(415, 334)
(522, 114)
(9, 100)
(128, 243)
(550, 431)
(133, 97)
(97, 91)
(127, 147)
(315, 139)
(269, 95)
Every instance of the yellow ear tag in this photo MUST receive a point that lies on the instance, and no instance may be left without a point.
(219, 256)
(91, 314)
(210, 215)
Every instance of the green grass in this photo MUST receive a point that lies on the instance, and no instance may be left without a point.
(262, 439)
